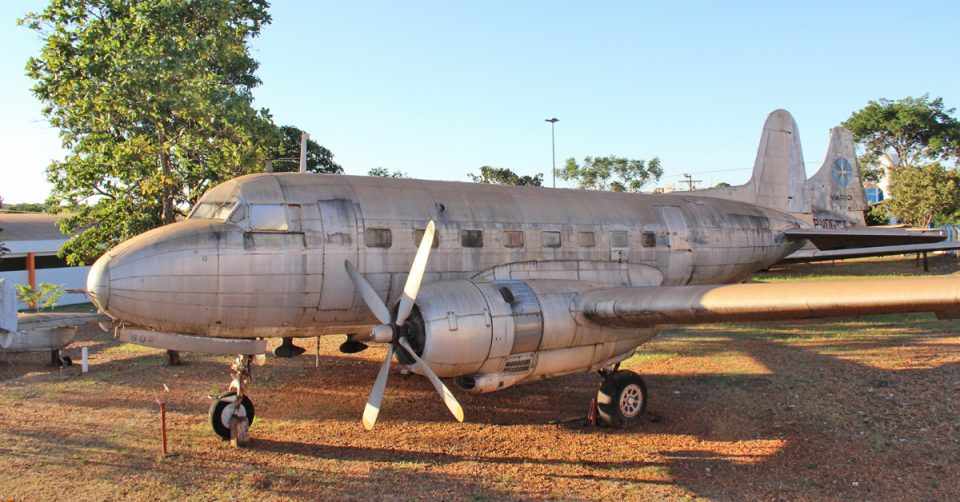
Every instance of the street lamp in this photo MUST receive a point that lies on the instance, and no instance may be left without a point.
(553, 147)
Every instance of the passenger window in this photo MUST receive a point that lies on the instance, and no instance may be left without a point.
(471, 238)
(648, 239)
(587, 239)
(513, 238)
(618, 239)
(377, 237)
(418, 236)
(270, 217)
(551, 239)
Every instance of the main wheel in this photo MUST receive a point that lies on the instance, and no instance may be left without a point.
(621, 399)
(222, 410)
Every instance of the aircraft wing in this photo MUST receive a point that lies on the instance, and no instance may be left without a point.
(652, 306)
(812, 255)
(862, 237)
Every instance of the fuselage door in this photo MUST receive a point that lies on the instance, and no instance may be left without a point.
(339, 244)
(675, 261)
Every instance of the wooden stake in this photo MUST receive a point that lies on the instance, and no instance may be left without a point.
(32, 274)
(163, 427)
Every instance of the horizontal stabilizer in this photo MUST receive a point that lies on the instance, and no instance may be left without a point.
(863, 237)
(652, 306)
(814, 255)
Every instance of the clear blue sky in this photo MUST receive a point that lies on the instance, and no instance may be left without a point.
(437, 89)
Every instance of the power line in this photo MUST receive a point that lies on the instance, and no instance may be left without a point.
(691, 183)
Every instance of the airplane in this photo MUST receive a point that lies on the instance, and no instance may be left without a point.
(488, 285)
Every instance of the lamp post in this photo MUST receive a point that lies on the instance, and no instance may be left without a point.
(553, 147)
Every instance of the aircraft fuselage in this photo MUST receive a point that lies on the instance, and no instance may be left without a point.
(263, 255)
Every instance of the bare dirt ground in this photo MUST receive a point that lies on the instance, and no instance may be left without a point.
(861, 409)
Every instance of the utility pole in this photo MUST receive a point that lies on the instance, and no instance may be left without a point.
(303, 151)
(691, 183)
(553, 147)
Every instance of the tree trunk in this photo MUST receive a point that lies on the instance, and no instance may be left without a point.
(168, 215)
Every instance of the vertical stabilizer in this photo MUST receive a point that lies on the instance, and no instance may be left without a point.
(778, 174)
(835, 193)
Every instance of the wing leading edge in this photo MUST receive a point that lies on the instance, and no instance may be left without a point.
(651, 306)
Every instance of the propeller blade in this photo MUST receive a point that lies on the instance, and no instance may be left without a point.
(412, 287)
(448, 398)
(369, 295)
(372, 410)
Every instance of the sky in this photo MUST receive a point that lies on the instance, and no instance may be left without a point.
(438, 89)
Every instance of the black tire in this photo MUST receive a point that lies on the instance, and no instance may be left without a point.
(622, 399)
(217, 413)
(65, 361)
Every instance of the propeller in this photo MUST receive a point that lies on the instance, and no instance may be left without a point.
(388, 331)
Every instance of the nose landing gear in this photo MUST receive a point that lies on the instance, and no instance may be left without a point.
(622, 398)
(232, 413)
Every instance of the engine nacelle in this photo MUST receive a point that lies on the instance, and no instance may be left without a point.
(499, 333)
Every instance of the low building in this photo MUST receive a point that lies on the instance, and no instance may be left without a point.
(38, 233)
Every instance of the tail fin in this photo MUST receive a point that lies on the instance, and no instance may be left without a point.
(835, 193)
(832, 198)
(778, 174)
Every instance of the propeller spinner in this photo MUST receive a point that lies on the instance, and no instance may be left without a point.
(388, 331)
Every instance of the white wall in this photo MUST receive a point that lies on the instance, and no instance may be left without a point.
(68, 277)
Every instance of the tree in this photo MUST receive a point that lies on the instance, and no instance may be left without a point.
(383, 172)
(154, 105)
(504, 176)
(905, 132)
(27, 207)
(921, 194)
(722, 184)
(617, 174)
(286, 154)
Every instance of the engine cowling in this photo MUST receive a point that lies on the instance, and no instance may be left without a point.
(450, 327)
(499, 333)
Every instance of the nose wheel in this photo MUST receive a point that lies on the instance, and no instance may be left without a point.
(622, 398)
(232, 413)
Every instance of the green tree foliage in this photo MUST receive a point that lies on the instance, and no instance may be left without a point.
(26, 207)
(921, 194)
(722, 184)
(286, 154)
(878, 214)
(383, 172)
(907, 132)
(504, 176)
(45, 296)
(153, 102)
(612, 173)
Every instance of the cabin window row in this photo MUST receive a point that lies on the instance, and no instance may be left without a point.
(383, 238)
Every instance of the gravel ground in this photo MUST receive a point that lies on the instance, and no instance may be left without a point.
(862, 409)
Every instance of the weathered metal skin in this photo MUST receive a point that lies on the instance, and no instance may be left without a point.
(522, 283)
(263, 256)
(234, 279)
(521, 330)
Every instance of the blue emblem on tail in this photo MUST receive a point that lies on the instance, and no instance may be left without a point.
(842, 172)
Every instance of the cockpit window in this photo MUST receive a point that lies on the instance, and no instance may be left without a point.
(213, 210)
(269, 217)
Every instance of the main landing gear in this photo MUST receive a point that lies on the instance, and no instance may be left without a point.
(622, 398)
(231, 414)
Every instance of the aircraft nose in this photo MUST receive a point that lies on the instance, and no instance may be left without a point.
(98, 282)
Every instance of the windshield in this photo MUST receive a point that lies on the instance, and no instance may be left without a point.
(213, 210)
